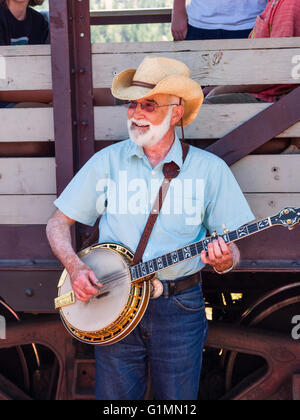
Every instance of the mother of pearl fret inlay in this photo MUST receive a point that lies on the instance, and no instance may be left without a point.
(263, 223)
(187, 252)
(242, 231)
(174, 256)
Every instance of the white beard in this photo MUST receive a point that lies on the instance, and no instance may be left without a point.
(154, 133)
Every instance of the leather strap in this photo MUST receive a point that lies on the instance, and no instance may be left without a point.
(170, 170)
(173, 288)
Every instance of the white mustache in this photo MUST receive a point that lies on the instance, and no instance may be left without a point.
(140, 122)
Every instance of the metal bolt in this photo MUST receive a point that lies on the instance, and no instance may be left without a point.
(29, 292)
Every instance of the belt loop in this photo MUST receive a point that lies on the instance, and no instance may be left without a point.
(166, 289)
(200, 278)
(171, 288)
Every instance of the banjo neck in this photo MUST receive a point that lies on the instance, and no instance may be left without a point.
(288, 217)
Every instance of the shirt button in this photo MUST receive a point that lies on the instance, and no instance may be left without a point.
(153, 172)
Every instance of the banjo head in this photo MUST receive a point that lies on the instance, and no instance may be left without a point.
(99, 312)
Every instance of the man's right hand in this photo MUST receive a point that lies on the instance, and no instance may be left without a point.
(83, 278)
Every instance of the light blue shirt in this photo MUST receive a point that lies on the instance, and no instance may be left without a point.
(119, 183)
(230, 15)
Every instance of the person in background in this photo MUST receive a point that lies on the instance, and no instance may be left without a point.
(214, 19)
(20, 24)
(281, 18)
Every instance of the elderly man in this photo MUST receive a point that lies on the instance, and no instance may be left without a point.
(204, 196)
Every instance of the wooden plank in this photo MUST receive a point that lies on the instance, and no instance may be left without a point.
(209, 67)
(210, 64)
(26, 73)
(125, 47)
(145, 47)
(26, 124)
(265, 205)
(23, 242)
(25, 50)
(207, 45)
(268, 173)
(37, 209)
(26, 209)
(212, 122)
(27, 176)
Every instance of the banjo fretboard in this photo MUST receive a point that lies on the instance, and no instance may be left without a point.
(146, 268)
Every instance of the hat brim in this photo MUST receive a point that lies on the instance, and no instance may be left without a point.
(177, 85)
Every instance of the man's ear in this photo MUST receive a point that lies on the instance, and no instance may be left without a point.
(177, 114)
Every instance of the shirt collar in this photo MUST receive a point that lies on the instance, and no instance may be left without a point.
(174, 154)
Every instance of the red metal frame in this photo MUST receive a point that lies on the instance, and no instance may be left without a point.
(258, 130)
(131, 17)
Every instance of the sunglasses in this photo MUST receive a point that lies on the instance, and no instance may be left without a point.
(145, 106)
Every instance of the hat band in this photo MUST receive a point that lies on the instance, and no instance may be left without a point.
(142, 84)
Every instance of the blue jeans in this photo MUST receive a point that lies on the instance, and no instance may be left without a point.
(170, 337)
(198, 33)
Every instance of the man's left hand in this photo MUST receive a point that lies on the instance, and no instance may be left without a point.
(219, 255)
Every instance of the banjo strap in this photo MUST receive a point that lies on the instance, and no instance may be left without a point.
(170, 170)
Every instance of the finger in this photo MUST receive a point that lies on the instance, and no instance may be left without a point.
(181, 36)
(94, 280)
(226, 250)
(211, 253)
(89, 289)
(80, 295)
(83, 285)
(204, 257)
(176, 36)
(217, 250)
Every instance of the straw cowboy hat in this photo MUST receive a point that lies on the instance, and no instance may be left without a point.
(160, 75)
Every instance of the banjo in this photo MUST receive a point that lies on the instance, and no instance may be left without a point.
(121, 302)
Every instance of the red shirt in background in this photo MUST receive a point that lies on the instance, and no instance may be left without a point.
(281, 18)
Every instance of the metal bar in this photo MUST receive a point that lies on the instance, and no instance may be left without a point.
(83, 81)
(296, 387)
(63, 91)
(131, 16)
(280, 352)
(258, 130)
(72, 90)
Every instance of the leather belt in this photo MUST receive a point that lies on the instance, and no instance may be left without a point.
(174, 287)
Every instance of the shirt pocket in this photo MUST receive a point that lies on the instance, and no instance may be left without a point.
(182, 216)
